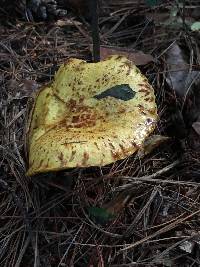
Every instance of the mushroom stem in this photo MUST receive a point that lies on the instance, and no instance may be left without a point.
(94, 9)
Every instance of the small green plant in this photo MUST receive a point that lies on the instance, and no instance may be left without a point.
(100, 215)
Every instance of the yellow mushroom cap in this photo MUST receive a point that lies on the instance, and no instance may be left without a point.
(92, 114)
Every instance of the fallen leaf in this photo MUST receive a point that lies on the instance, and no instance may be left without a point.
(66, 22)
(138, 57)
(27, 87)
(24, 88)
(117, 204)
(151, 143)
(196, 127)
(187, 246)
(100, 215)
(179, 76)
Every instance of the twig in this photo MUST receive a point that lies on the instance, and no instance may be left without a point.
(94, 8)
(149, 178)
(67, 250)
(23, 251)
(161, 231)
(131, 228)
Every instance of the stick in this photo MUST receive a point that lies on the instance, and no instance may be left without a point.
(151, 178)
(94, 9)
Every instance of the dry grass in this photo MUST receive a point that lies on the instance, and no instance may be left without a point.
(44, 221)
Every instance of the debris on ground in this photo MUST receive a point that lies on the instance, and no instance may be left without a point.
(138, 211)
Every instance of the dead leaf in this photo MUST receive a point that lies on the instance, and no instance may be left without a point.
(196, 127)
(151, 143)
(179, 76)
(66, 22)
(27, 87)
(116, 205)
(187, 246)
(138, 57)
(24, 88)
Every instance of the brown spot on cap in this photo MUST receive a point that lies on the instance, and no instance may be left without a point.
(95, 143)
(63, 162)
(72, 156)
(111, 145)
(116, 155)
(123, 149)
(85, 158)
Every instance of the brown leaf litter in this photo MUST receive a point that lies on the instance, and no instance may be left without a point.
(45, 220)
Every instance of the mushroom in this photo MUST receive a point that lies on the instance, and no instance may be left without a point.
(92, 114)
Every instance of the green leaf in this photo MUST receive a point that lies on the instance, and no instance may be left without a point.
(122, 92)
(100, 215)
(195, 26)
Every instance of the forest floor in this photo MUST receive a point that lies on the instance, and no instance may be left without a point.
(63, 218)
